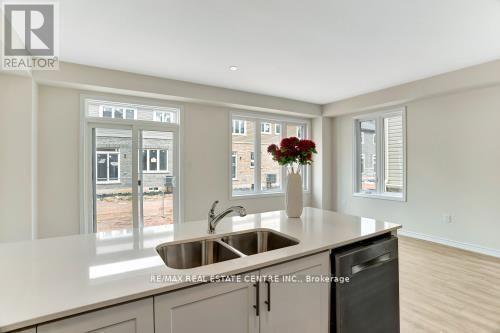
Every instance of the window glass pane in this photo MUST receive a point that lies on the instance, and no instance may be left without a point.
(270, 177)
(242, 145)
(234, 162)
(113, 167)
(252, 159)
(299, 132)
(153, 160)
(265, 128)
(277, 128)
(109, 109)
(239, 127)
(367, 158)
(163, 116)
(163, 160)
(295, 130)
(130, 114)
(119, 113)
(393, 154)
(107, 112)
(102, 167)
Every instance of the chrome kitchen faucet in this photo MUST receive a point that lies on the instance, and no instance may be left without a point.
(214, 219)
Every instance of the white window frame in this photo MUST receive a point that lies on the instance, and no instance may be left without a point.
(259, 118)
(238, 121)
(107, 153)
(88, 123)
(148, 164)
(264, 126)
(379, 138)
(276, 127)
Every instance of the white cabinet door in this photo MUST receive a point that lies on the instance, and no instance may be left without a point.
(134, 317)
(209, 308)
(296, 307)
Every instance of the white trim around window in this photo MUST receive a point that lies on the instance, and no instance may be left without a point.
(258, 119)
(90, 122)
(381, 178)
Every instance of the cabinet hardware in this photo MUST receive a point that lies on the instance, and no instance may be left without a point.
(268, 302)
(257, 300)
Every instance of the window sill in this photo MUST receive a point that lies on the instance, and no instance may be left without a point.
(382, 196)
(261, 195)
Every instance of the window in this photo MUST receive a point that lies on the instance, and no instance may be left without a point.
(108, 111)
(234, 165)
(108, 165)
(131, 168)
(239, 127)
(162, 116)
(265, 128)
(299, 132)
(277, 128)
(380, 155)
(155, 160)
(253, 171)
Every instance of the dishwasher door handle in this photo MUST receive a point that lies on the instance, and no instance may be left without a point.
(370, 263)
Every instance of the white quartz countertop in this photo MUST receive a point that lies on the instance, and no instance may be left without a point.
(52, 278)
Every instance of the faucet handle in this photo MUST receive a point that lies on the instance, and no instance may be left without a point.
(212, 209)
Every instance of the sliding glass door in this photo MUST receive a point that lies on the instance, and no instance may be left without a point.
(157, 177)
(134, 176)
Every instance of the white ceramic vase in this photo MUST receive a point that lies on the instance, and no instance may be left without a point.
(293, 203)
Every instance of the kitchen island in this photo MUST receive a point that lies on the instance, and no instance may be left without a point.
(53, 283)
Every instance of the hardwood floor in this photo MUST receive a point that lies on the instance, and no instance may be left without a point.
(443, 289)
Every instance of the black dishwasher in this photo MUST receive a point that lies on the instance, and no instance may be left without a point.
(369, 302)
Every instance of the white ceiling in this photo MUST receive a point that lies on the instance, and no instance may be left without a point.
(311, 50)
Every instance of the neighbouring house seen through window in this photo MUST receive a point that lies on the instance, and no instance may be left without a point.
(108, 165)
(253, 170)
(155, 160)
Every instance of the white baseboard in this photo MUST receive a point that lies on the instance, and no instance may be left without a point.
(452, 243)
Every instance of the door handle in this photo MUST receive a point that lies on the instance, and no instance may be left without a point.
(375, 261)
(268, 302)
(257, 299)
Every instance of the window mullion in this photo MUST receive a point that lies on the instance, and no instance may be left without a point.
(257, 157)
(283, 125)
(380, 153)
(107, 167)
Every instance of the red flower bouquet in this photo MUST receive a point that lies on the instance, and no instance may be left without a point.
(292, 151)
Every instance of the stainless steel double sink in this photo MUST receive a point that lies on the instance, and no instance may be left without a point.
(207, 251)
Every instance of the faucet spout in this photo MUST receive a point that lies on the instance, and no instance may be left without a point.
(214, 219)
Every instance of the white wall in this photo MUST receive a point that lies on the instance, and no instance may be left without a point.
(206, 165)
(58, 162)
(453, 152)
(16, 152)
